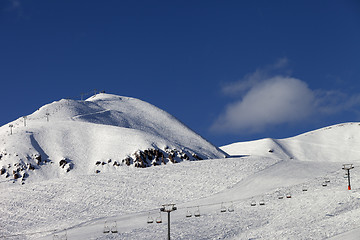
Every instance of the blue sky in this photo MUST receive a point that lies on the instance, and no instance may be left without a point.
(230, 70)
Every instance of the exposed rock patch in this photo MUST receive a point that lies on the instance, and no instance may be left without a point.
(21, 169)
(151, 157)
(66, 164)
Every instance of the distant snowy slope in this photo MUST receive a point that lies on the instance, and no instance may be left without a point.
(264, 147)
(96, 135)
(338, 143)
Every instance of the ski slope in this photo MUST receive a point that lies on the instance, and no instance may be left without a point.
(80, 208)
(80, 203)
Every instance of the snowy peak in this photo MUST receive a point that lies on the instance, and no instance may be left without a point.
(100, 134)
(109, 109)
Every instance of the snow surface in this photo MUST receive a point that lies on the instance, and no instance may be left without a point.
(336, 143)
(80, 204)
(102, 128)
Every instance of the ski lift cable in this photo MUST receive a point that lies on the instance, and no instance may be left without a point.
(132, 213)
(72, 227)
(224, 202)
(117, 217)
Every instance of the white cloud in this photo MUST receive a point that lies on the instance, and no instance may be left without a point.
(251, 79)
(273, 101)
(266, 99)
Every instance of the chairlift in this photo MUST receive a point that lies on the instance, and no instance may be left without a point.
(58, 236)
(64, 237)
(253, 203)
(279, 195)
(159, 219)
(150, 219)
(106, 228)
(231, 208)
(262, 203)
(223, 208)
(114, 228)
(197, 212)
(188, 214)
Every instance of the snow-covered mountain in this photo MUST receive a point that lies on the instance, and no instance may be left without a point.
(99, 134)
(336, 143)
(290, 188)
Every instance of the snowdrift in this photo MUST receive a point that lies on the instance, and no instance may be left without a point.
(97, 135)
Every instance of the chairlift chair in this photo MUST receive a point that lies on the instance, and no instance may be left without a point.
(327, 180)
(223, 208)
(159, 219)
(188, 214)
(262, 203)
(304, 188)
(231, 208)
(197, 212)
(253, 203)
(279, 195)
(114, 228)
(106, 228)
(288, 195)
(150, 219)
(324, 184)
(64, 237)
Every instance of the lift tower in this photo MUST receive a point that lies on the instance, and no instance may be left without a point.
(347, 168)
(168, 208)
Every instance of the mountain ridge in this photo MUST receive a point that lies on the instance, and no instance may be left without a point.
(333, 143)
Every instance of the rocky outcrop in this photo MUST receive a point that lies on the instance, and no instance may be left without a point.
(22, 168)
(150, 157)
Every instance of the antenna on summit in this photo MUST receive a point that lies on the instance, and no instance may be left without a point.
(11, 126)
(24, 117)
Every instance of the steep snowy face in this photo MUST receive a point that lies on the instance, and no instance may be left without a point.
(99, 134)
(338, 143)
(136, 114)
